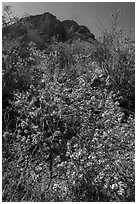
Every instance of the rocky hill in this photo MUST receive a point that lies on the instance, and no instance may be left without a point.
(45, 28)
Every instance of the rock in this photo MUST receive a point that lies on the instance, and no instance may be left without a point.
(42, 29)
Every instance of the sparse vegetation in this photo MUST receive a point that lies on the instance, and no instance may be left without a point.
(68, 121)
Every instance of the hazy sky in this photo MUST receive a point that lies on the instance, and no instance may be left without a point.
(94, 15)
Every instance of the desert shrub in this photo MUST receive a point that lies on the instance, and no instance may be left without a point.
(116, 55)
(69, 141)
(102, 164)
(19, 72)
(81, 128)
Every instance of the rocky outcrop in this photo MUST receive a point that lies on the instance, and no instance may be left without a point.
(41, 29)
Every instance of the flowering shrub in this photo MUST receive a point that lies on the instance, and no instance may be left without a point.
(116, 55)
(69, 141)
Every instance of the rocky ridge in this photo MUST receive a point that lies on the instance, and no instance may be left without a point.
(45, 28)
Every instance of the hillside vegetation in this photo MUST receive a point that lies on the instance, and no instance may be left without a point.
(68, 118)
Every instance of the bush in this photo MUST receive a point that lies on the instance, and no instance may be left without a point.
(70, 140)
(116, 56)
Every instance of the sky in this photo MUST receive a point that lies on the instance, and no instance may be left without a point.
(95, 15)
